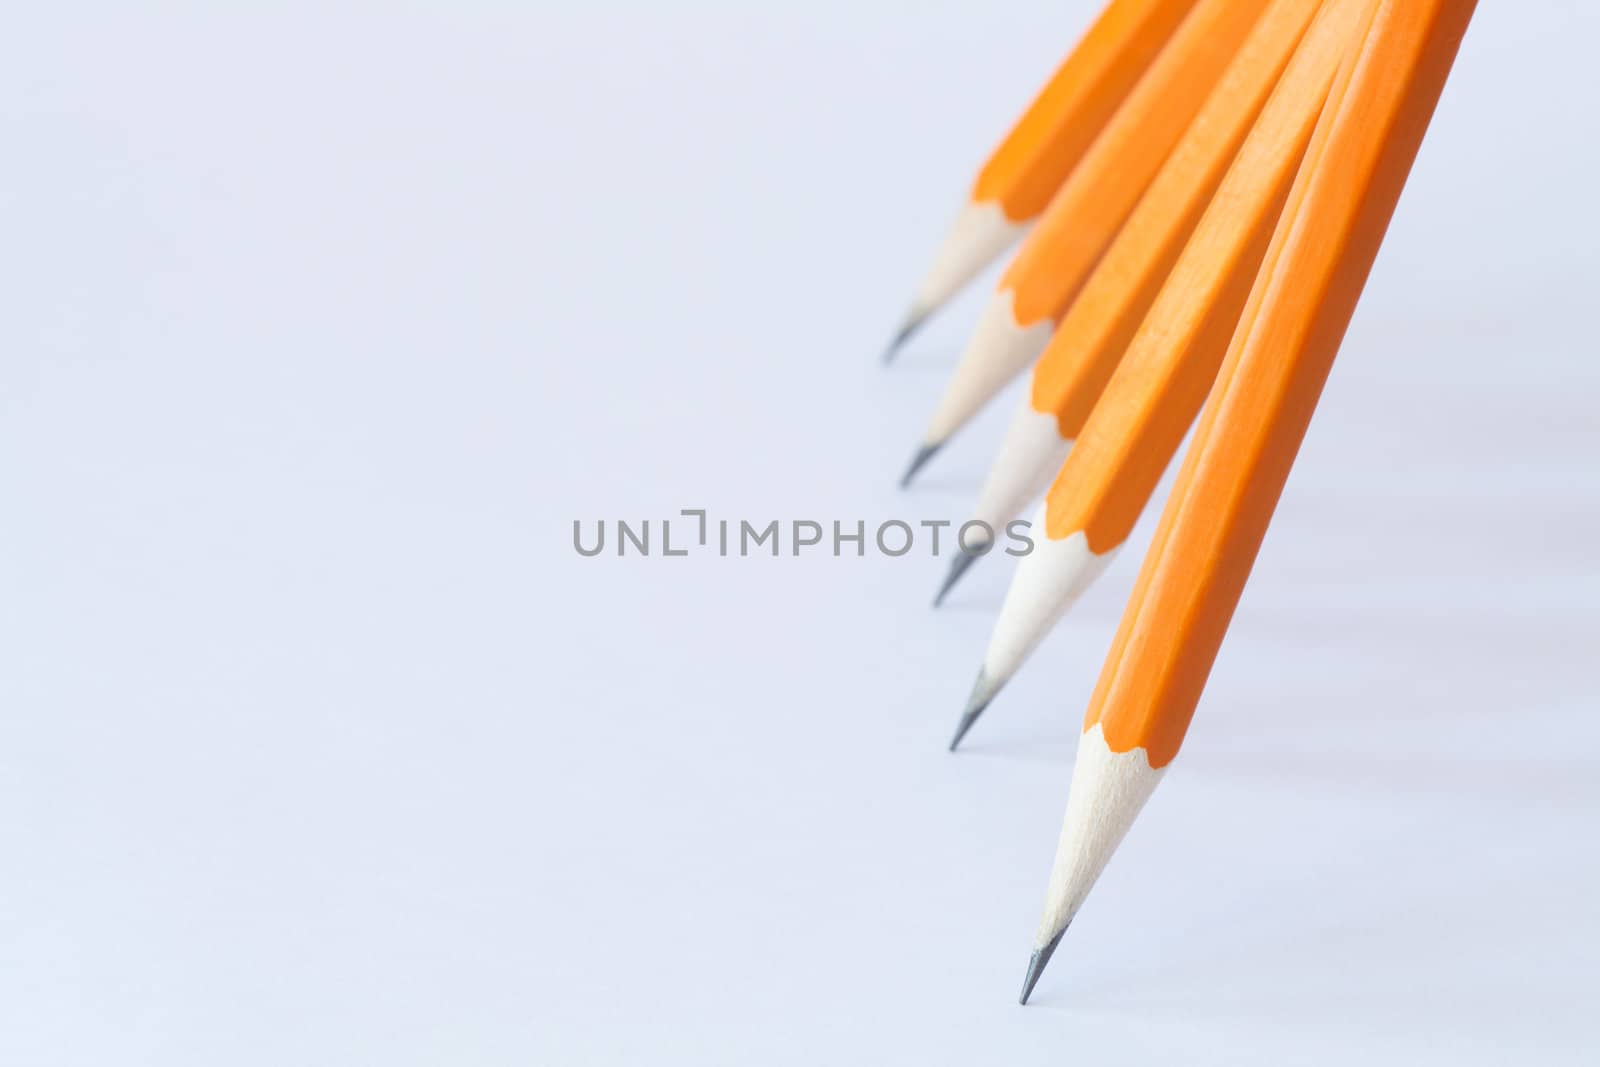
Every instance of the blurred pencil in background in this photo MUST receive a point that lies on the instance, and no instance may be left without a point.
(1248, 435)
(1086, 212)
(1156, 390)
(1039, 152)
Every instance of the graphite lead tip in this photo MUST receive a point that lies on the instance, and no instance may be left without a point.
(958, 567)
(1036, 965)
(924, 453)
(982, 693)
(908, 326)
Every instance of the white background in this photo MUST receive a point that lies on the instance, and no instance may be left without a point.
(319, 744)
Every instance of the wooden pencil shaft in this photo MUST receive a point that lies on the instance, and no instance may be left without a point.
(1086, 212)
(1106, 314)
(1161, 382)
(1254, 421)
(1051, 136)
(1043, 148)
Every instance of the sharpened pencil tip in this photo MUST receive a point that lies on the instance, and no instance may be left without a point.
(982, 693)
(908, 326)
(924, 453)
(958, 567)
(1036, 965)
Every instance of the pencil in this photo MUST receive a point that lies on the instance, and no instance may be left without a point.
(1162, 380)
(1048, 140)
(1103, 318)
(1087, 211)
(1248, 435)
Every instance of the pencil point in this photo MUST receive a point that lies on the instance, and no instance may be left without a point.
(982, 693)
(1036, 965)
(958, 567)
(924, 453)
(908, 326)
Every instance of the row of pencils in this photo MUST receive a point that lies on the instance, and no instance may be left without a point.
(1199, 191)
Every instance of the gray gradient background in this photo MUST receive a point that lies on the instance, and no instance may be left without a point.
(320, 745)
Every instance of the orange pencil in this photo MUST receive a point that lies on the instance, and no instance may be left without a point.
(1103, 318)
(1087, 211)
(1157, 388)
(1211, 530)
(1039, 152)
